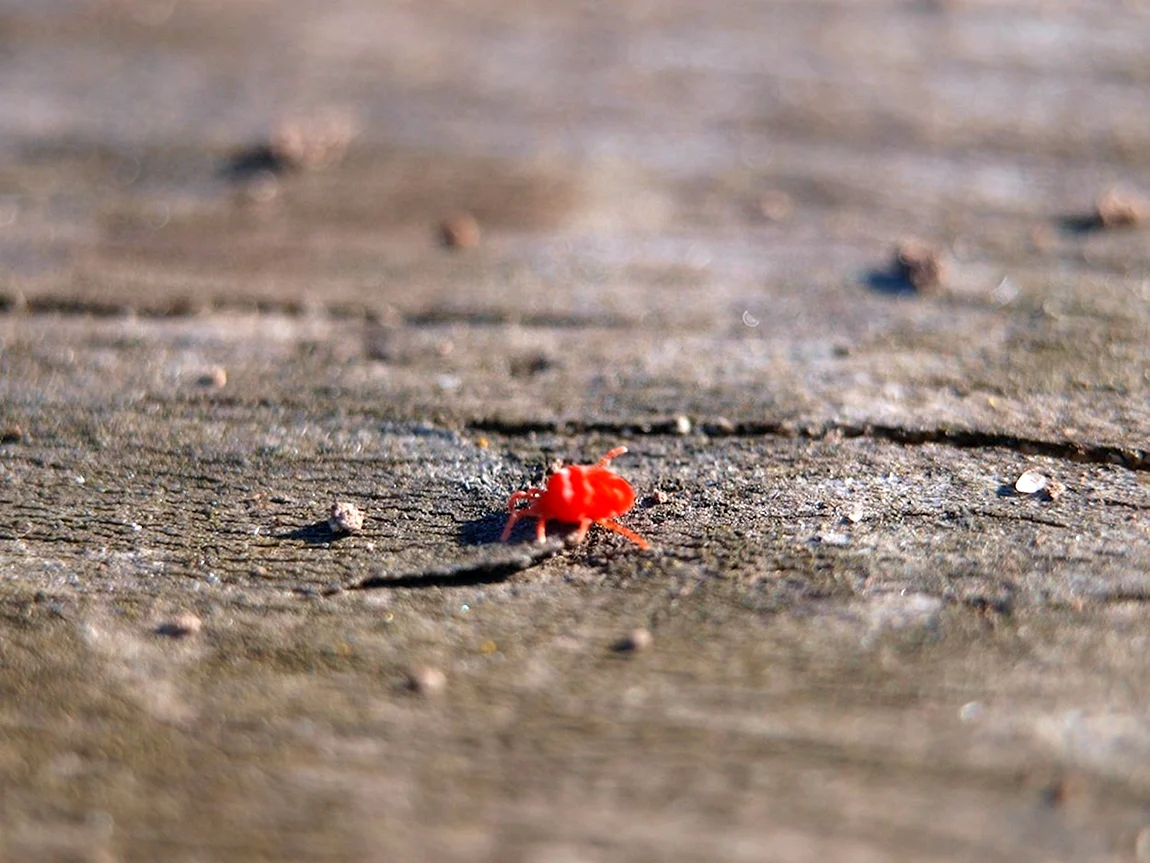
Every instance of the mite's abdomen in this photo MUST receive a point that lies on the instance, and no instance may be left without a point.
(576, 493)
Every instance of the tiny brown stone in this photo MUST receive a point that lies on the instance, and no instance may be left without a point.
(459, 231)
(529, 365)
(920, 264)
(1115, 209)
(425, 680)
(315, 142)
(635, 641)
(345, 518)
(776, 205)
(1054, 490)
(216, 378)
(180, 626)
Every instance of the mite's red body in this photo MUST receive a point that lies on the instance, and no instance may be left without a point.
(580, 494)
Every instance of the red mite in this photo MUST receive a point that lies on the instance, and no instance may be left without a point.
(581, 494)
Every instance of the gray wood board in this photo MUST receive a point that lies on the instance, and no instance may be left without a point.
(865, 643)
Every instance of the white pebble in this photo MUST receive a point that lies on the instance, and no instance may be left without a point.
(1030, 482)
(345, 518)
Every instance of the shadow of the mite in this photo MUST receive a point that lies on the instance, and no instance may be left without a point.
(488, 529)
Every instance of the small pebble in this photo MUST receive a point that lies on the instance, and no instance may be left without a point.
(971, 711)
(855, 513)
(529, 365)
(920, 264)
(345, 518)
(658, 497)
(723, 426)
(1114, 209)
(216, 378)
(1030, 482)
(180, 626)
(832, 538)
(12, 434)
(776, 205)
(426, 680)
(682, 425)
(635, 641)
(1042, 238)
(313, 142)
(459, 231)
(1142, 846)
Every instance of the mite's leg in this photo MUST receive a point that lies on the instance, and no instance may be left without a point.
(625, 531)
(581, 533)
(515, 516)
(541, 531)
(615, 453)
(531, 494)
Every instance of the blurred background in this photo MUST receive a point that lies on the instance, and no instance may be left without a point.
(176, 154)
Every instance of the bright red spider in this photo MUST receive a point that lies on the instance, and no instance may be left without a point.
(580, 494)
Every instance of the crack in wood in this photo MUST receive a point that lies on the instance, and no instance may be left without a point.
(1131, 458)
(187, 307)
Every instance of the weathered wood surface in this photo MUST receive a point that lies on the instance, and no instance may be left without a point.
(865, 646)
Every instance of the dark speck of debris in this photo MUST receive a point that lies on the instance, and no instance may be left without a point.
(180, 626)
(921, 265)
(656, 498)
(216, 378)
(255, 161)
(425, 680)
(916, 268)
(529, 365)
(459, 231)
(635, 641)
(345, 518)
(12, 434)
(307, 143)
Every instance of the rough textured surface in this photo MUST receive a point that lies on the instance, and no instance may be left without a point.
(225, 302)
